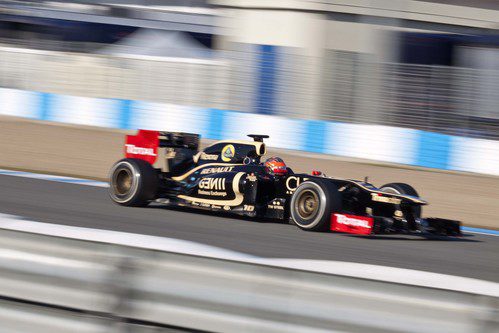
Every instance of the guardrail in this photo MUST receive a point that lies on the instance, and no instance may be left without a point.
(55, 278)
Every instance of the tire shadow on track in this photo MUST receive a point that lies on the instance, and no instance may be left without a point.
(426, 238)
(225, 215)
(221, 214)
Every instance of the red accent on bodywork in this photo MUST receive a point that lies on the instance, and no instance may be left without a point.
(352, 224)
(316, 173)
(143, 146)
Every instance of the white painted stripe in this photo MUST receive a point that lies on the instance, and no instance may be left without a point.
(474, 155)
(357, 270)
(11, 222)
(85, 111)
(283, 132)
(375, 142)
(19, 103)
(53, 178)
(164, 117)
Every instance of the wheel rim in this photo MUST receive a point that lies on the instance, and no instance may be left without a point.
(123, 181)
(307, 205)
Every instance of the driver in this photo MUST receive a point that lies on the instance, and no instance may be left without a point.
(276, 166)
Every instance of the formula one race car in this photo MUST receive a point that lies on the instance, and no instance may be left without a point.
(228, 176)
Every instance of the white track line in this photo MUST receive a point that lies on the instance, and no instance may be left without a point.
(357, 270)
(89, 182)
(53, 178)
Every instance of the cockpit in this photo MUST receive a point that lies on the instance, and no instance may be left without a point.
(233, 152)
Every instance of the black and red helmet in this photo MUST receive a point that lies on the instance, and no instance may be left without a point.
(276, 166)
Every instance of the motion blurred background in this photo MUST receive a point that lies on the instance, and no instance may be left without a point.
(424, 65)
(401, 90)
(428, 65)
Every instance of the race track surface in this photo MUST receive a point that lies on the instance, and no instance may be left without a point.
(86, 206)
(89, 152)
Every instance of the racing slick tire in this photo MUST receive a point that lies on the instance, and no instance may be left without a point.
(402, 188)
(312, 204)
(132, 182)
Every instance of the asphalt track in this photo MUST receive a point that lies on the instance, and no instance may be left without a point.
(473, 256)
(89, 152)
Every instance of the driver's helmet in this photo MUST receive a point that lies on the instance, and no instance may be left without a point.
(276, 166)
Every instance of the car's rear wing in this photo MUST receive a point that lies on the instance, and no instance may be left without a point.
(158, 147)
(179, 140)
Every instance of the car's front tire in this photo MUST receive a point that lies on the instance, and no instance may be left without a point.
(404, 189)
(132, 182)
(312, 204)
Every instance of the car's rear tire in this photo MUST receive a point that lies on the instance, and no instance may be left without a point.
(404, 189)
(312, 204)
(132, 182)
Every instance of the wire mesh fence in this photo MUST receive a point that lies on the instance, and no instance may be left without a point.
(341, 86)
(451, 100)
(195, 82)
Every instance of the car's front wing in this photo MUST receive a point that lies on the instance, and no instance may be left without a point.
(370, 225)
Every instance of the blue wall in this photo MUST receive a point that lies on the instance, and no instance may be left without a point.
(381, 143)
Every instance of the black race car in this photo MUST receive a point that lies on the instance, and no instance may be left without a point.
(228, 176)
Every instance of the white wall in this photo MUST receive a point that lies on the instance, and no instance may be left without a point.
(282, 28)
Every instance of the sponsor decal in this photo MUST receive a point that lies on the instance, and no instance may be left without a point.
(170, 153)
(248, 208)
(352, 221)
(234, 190)
(132, 149)
(251, 177)
(212, 183)
(212, 186)
(212, 193)
(143, 146)
(292, 183)
(228, 153)
(211, 157)
(276, 205)
(380, 198)
(352, 224)
(216, 170)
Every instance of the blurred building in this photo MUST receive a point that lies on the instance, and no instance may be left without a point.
(429, 65)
